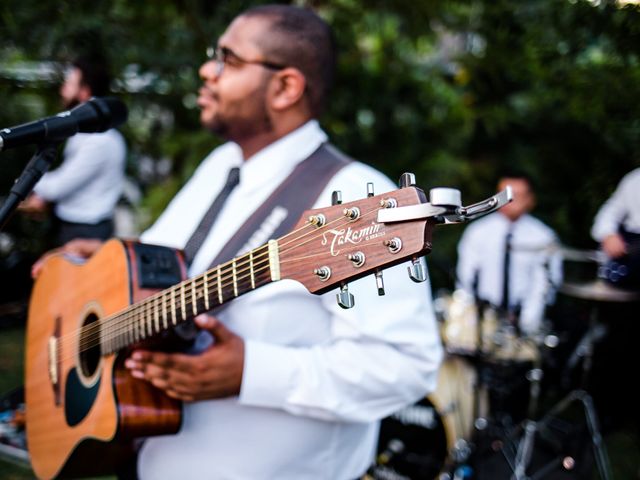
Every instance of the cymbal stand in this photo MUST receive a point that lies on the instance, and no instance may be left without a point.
(526, 444)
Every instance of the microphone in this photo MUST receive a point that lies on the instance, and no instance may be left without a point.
(98, 114)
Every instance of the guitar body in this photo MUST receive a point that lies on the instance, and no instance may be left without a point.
(83, 408)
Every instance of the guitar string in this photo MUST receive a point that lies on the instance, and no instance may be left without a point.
(115, 325)
(140, 308)
(142, 316)
(117, 317)
(143, 308)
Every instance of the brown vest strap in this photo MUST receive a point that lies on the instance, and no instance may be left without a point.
(297, 193)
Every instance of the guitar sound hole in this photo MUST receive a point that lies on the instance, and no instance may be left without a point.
(89, 347)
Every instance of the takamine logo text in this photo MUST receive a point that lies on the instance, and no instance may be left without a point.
(351, 236)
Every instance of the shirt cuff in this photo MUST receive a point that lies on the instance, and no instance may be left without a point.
(269, 374)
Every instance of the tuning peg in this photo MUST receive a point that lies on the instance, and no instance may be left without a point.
(351, 213)
(336, 197)
(417, 273)
(318, 220)
(345, 299)
(407, 180)
(370, 189)
(323, 273)
(379, 282)
(357, 258)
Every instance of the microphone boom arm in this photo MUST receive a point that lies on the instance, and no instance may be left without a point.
(37, 166)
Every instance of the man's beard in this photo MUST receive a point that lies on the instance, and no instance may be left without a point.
(236, 129)
(69, 104)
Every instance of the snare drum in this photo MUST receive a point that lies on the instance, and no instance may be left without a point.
(419, 440)
(494, 339)
(458, 314)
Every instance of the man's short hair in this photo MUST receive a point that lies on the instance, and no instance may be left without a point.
(520, 175)
(95, 75)
(299, 38)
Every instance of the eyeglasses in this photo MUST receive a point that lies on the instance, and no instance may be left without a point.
(222, 55)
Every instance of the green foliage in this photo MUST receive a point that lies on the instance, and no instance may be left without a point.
(454, 91)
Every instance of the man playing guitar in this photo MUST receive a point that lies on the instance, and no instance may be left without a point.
(617, 228)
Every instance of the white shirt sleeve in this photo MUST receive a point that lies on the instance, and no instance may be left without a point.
(76, 170)
(364, 372)
(619, 208)
(546, 276)
(469, 255)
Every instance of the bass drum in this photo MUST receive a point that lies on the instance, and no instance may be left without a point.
(419, 441)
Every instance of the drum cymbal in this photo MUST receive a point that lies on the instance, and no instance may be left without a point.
(599, 290)
(575, 255)
(567, 253)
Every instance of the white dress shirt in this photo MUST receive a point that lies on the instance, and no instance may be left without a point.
(87, 185)
(533, 272)
(316, 377)
(622, 208)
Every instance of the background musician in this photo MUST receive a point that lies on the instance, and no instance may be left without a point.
(506, 258)
(86, 187)
(505, 262)
(617, 227)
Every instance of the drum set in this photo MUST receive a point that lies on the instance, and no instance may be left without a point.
(489, 387)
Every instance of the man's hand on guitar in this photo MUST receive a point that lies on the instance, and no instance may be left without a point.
(214, 373)
(80, 247)
(614, 246)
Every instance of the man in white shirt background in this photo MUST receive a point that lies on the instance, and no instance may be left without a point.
(616, 227)
(533, 272)
(506, 263)
(85, 188)
(282, 384)
(617, 224)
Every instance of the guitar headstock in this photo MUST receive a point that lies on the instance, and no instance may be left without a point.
(331, 246)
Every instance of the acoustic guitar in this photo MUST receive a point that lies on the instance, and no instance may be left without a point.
(83, 407)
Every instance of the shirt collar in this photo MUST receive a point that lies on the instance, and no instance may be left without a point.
(283, 154)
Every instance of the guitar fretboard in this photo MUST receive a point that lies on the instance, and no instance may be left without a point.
(185, 300)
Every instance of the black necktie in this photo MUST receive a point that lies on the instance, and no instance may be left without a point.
(195, 242)
(505, 270)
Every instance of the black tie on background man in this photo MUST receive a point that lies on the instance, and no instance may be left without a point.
(506, 268)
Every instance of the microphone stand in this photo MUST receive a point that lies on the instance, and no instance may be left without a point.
(37, 166)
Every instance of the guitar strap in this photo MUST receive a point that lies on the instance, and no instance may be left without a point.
(280, 212)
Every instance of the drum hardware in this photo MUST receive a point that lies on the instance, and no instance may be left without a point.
(599, 291)
(432, 436)
(519, 454)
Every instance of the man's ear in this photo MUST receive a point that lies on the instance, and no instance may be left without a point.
(84, 93)
(288, 87)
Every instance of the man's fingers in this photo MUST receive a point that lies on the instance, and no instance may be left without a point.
(219, 331)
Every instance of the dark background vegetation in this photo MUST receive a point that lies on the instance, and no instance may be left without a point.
(454, 91)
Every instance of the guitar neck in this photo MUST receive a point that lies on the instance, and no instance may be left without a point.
(184, 301)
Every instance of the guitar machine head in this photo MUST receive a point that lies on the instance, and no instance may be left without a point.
(348, 241)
